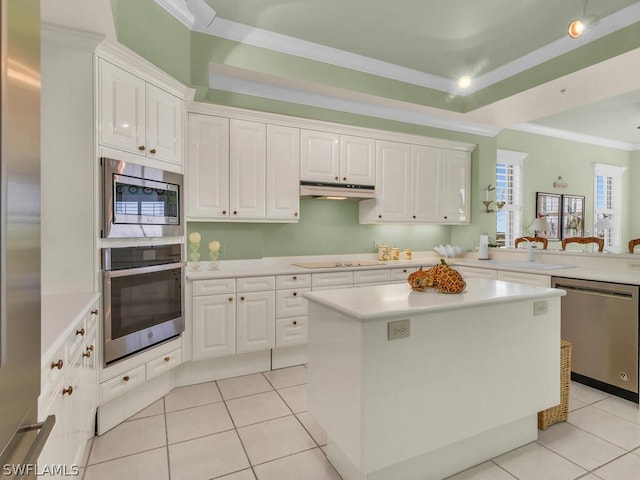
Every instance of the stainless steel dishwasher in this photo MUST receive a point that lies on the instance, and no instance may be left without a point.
(601, 321)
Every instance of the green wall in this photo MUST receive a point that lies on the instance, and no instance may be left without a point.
(329, 227)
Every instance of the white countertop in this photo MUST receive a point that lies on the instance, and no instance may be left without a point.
(396, 300)
(604, 269)
(60, 315)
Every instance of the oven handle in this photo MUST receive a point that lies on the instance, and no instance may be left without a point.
(139, 270)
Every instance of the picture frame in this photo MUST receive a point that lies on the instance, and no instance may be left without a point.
(549, 208)
(572, 216)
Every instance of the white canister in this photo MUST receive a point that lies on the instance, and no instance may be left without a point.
(483, 251)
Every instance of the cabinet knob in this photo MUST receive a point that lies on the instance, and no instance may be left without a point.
(414, 216)
(445, 217)
(167, 359)
(231, 299)
(125, 378)
(295, 322)
(57, 364)
(336, 178)
(295, 294)
(94, 312)
(295, 277)
(344, 179)
(80, 332)
(90, 348)
(242, 298)
(67, 391)
(141, 148)
(152, 151)
(235, 212)
(224, 212)
(404, 270)
(295, 214)
(379, 216)
(87, 354)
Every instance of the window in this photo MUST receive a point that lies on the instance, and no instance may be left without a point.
(509, 190)
(608, 204)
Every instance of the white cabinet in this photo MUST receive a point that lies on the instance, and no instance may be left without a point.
(291, 309)
(137, 116)
(473, 272)
(207, 169)
(69, 391)
(419, 183)
(364, 278)
(400, 275)
(342, 279)
(334, 158)
(528, 278)
(242, 170)
(255, 321)
(214, 318)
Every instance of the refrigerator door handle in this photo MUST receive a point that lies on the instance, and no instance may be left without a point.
(38, 443)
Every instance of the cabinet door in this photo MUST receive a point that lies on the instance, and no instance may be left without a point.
(89, 384)
(256, 321)
(122, 109)
(55, 450)
(283, 172)
(357, 160)
(393, 181)
(456, 185)
(164, 125)
(247, 164)
(426, 184)
(75, 409)
(319, 156)
(214, 326)
(207, 172)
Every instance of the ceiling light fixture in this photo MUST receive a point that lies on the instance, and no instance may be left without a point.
(576, 28)
(464, 82)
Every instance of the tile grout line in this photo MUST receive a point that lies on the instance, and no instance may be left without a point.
(235, 429)
(166, 434)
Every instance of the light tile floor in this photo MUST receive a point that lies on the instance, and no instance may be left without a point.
(257, 427)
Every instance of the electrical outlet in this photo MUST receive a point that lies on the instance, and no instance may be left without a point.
(398, 329)
(633, 265)
(540, 307)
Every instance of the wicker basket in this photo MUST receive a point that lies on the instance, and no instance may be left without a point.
(560, 412)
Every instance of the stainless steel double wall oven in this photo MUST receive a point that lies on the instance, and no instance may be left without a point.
(143, 283)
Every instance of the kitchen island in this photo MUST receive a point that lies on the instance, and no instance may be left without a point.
(462, 384)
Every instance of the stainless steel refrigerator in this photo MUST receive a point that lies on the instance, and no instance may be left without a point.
(20, 437)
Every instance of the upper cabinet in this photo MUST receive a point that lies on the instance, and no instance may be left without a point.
(419, 184)
(137, 116)
(334, 158)
(240, 169)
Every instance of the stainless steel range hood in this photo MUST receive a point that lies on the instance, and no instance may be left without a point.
(337, 191)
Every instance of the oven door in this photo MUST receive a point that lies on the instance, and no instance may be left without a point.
(143, 306)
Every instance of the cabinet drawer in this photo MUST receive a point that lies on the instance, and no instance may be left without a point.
(291, 303)
(471, 272)
(121, 384)
(255, 284)
(52, 373)
(293, 281)
(91, 320)
(214, 287)
(331, 278)
(371, 276)
(75, 341)
(528, 278)
(291, 331)
(400, 274)
(163, 364)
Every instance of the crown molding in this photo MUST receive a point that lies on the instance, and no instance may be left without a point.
(576, 137)
(287, 94)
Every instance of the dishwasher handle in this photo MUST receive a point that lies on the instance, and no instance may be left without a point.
(595, 291)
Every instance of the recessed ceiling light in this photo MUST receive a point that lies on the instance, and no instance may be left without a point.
(576, 28)
(464, 82)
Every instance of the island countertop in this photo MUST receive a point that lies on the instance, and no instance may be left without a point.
(390, 301)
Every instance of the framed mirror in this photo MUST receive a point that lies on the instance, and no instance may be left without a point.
(548, 207)
(572, 216)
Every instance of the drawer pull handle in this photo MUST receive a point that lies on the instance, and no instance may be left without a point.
(125, 378)
(80, 332)
(235, 212)
(295, 322)
(295, 214)
(242, 298)
(67, 391)
(231, 299)
(87, 354)
(90, 348)
(295, 294)
(141, 148)
(224, 212)
(167, 359)
(57, 364)
(94, 312)
(152, 151)
(295, 278)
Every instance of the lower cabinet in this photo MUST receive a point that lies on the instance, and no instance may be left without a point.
(70, 392)
(255, 321)
(473, 272)
(528, 278)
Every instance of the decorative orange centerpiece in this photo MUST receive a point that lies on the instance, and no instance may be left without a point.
(441, 277)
